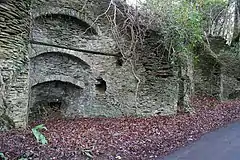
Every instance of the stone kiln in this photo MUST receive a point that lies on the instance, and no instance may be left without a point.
(59, 57)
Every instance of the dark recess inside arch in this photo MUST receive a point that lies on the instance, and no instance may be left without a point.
(57, 83)
(82, 24)
(50, 98)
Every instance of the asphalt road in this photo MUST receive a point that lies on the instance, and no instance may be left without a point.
(222, 144)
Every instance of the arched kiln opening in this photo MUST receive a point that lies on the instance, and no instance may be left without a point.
(53, 99)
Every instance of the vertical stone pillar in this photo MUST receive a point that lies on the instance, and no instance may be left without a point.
(14, 26)
(186, 85)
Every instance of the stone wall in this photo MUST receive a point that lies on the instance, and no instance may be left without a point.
(70, 23)
(231, 88)
(207, 77)
(69, 97)
(14, 22)
(65, 24)
(208, 69)
(159, 87)
(231, 76)
(79, 83)
(47, 68)
(186, 83)
(226, 30)
(217, 69)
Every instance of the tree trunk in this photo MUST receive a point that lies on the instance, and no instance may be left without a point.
(227, 24)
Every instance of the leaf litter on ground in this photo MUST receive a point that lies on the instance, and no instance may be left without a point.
(126, 138)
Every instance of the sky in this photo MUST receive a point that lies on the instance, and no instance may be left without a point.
(134, 2)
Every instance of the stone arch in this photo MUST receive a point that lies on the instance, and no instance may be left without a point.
(44, 11)
(61, 78)
(48, 95)
(57, 80)
(49, 66)
(89, 59)
(62, 52)
(37, 50)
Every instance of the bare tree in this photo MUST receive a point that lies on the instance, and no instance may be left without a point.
(227, 23)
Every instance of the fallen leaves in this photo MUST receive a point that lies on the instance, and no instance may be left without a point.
(120, 138)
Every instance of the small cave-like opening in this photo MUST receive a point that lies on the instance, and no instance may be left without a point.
(165, 76)
(46, 109)
(55, 106)
(54, 100)
(119, 60)
(101, 85)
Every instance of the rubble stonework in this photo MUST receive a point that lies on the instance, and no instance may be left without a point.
(65, 24)
(68, 60)
(14, 31)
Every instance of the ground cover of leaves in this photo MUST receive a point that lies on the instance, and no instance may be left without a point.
(126, 138)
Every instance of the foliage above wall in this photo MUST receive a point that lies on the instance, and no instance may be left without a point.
(183, 23)
(180, 25)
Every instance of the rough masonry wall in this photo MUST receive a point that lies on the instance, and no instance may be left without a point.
(14, 23)
(207, 76)
(54, 64)
(69, 31)
(64, 23)
(208, 69)
(118, 98)
(51, 67)
(67, 96)
(231, 70)
(71, 79)
(226, 26)
(231, 87)
(217, 71)
(186, 83)
(159, 87)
